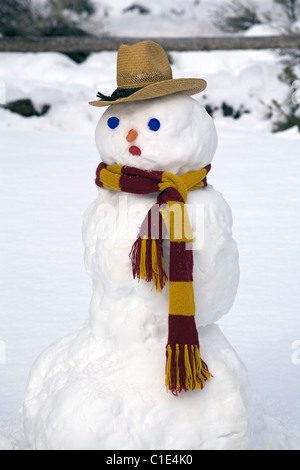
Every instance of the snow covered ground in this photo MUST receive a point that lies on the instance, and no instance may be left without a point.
(47, 182)
(175, 18)
(47, 169)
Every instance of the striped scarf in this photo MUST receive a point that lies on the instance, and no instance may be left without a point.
(185, 370)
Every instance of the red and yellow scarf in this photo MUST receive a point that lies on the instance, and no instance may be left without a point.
(168, 217)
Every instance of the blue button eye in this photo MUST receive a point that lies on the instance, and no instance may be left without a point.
(154, 124)
(113, 122)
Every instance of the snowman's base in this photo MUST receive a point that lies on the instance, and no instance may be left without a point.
(83, 395)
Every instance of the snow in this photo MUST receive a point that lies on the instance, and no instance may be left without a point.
(174, 18)
(42, 261)
(47, 173)
(244, 80)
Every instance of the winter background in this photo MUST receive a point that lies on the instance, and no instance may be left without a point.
(47, 166)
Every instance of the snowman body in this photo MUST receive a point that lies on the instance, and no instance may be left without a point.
(103, 387)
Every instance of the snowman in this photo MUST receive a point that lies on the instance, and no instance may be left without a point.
(150, 368)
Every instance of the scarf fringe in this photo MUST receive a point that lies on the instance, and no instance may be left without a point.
(147, 262)
(185, 369)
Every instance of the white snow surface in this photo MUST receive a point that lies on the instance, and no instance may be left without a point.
(47, 173)
(175, 18)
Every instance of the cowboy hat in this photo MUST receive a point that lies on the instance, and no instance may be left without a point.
(144, 72)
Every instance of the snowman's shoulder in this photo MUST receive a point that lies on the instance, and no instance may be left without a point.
(212, 204)
(208, 194)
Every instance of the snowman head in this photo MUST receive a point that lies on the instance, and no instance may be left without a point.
(172, 133)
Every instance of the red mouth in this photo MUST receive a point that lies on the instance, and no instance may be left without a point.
(134, 150)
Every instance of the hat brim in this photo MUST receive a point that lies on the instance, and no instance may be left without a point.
(190, 86)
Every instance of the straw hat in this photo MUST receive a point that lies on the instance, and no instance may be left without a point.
(144, 72)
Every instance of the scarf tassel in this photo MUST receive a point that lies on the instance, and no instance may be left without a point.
(147, 261)
(185, 369)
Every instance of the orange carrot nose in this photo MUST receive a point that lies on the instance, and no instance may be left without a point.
(132, 135)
